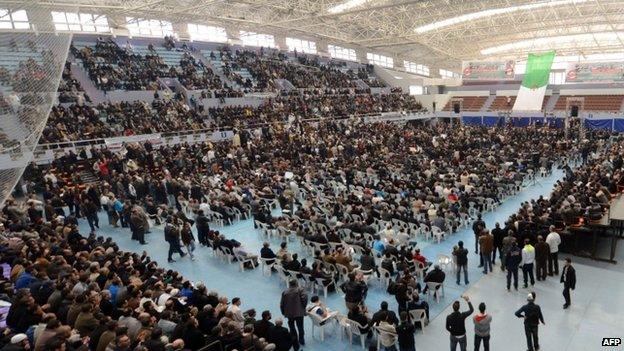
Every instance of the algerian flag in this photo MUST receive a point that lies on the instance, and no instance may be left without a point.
(533, 88)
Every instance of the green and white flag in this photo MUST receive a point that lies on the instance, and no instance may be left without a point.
(534, 83)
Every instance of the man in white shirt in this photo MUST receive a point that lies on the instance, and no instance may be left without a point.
(553, 240)
(388, 233)
(236, 312)
(528, 260)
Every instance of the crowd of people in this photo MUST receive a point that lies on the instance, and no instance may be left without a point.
(85, 121)
(120, 300)
(70, 90)
(302, 71)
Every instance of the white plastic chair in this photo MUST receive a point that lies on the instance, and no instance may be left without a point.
(437, 233)
(384, 277)
(354, 329)
(435, 289)
(267, 263)
(321, 323)
(343, 272)
(319, 285)
(419, 316)
(425, 231)
(243, 259)
(443, 261)
(419, 270)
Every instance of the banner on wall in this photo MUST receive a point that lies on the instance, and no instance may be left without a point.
(489, 70)
(598, 72)
(533, 88)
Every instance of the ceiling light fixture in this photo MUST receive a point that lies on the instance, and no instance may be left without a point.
(346, 6)
(595, 39)
(493, 12)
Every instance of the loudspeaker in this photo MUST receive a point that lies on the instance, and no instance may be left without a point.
(456, 107)
(574, 111)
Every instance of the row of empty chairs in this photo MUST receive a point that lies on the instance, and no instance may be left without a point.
(468, 103)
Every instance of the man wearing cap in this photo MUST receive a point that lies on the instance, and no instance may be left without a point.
(532, 315)
(19, 342)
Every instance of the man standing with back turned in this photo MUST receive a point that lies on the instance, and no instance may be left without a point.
(292, 306)
(532, 315)
(455, 324)
(553, 240)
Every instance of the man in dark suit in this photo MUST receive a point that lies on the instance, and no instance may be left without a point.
(263, 326)
(280, 336)
(203, 227)
(568, 278)
(382, 313)
(292, 306)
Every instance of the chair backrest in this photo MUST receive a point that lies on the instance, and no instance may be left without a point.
(316, 319)
(443, 259)
(432, 286)
(354, 327)
(418, 314)
(384, 272)
(343, 270)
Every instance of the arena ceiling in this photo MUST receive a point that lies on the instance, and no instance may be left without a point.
(434, 32)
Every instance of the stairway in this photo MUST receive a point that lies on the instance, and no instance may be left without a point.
(360, 84)
(552, 101)
(216, 65)
(284, 84)
(97, 96)
(488, 103)
(87, 176)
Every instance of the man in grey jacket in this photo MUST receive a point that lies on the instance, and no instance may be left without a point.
(482, 328)
(292, 305)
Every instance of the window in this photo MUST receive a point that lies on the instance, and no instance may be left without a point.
(557, 78)
(299, 45)
(207, 33)
(412, 67)
(380, 60)
(341, 53)
(448, 74)
(416, 90)
(10, 19)
(148, 27)
(80, 22)
(255, 39)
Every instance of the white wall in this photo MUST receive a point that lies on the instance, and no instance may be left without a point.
(397, 78)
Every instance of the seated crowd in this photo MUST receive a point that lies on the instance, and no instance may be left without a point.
(347, 177)
(582, 196)
(77, 122)
(70, 89)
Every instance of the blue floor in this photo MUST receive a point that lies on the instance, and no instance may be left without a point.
(263, 293)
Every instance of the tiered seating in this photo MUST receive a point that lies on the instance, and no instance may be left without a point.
(500, 103)
(609, 103)
(170, 57)
(469, 103)
(561, 104)
(545, 101)
(10, 62)
(219, 65)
